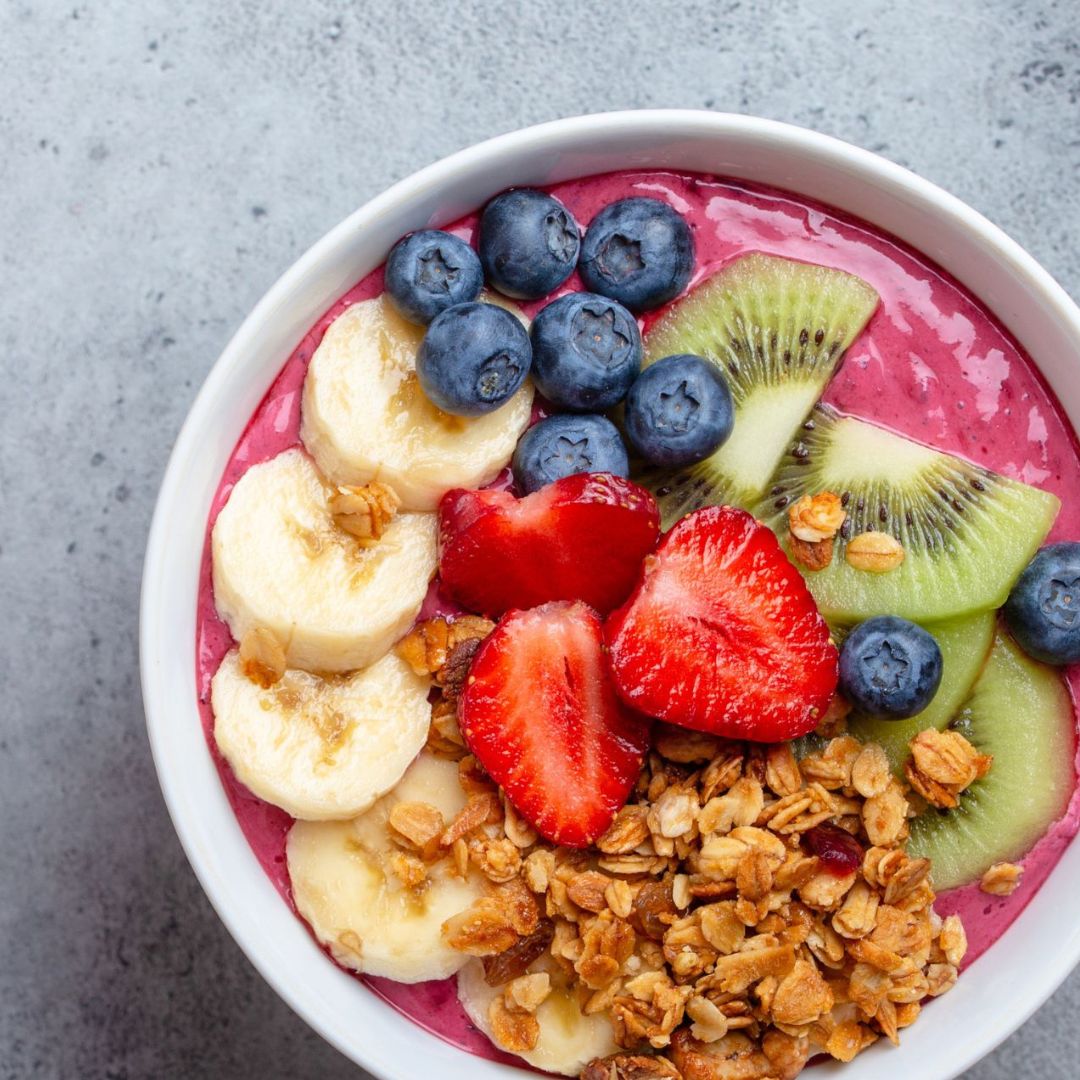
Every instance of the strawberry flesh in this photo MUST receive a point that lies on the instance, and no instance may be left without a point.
(722, 634)
(541, 715)
(581, 538)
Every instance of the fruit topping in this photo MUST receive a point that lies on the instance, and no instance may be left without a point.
(586, 352)
(365, 417)
(722, 635)
(1043, 609)
(964, 644)
(840, 853)
(777, 329)
(473, 358)
(566, 445)
(557, 1036)
(679, 411)
(528, 243)
(580, 538)
(320, 747)
(515, 961)
(283, 564)
(261, 657)
(375, 901)
(639, 252)
(712, 875)
(958, 534)
(889, 667)
(1020, 714)
(429, 271)
(541, 715)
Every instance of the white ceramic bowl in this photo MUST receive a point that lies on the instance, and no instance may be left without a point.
(1002, 988)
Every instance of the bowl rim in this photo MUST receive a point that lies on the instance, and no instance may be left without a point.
(382, 1059)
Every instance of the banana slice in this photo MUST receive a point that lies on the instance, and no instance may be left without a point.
(365, 417)
(569, 1039)
(344, 885)
(321, 748)
(281, 563)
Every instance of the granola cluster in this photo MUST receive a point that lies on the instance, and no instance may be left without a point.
(814, 521)
(364, 512)
(744, 911)
(942, 765)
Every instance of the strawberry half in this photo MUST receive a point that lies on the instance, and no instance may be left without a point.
(541, 715)
(722, 634)
(581, 538)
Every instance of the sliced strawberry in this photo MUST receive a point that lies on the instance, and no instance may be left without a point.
(722, 634)
(580, 538)
(540, 713)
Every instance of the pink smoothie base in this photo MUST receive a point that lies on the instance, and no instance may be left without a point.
(932, 364)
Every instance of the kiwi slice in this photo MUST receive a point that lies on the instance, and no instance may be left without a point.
(965, 644)
(1020, 712)
(778, 329)
(967, 533)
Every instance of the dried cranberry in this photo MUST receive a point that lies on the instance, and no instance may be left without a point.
(839, 851)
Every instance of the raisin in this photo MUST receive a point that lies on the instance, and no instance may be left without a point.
(654, 910)
(515, 961)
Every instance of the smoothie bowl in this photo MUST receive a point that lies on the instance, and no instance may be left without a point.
(610, 611)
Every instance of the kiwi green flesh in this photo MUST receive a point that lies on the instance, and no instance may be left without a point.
(1020, 712)
(967, 532)
(777, 329)
(965, 644)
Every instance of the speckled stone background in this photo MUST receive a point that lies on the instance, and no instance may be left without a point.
(161, 163)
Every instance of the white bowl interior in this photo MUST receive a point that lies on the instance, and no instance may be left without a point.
(959, 1028)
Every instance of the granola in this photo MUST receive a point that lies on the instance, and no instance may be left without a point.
(816, 517)
(875, 552)
(702, 924)
(942, 765)
(429, 647)
(364, 512)
(1002, 879)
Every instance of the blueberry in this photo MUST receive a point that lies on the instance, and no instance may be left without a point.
(529, 243)
(473, 357)
(889, 667)
(430, 271)
(564, 445)
(639, 252)
(679, 411)
(586, 352)
(1043, 609)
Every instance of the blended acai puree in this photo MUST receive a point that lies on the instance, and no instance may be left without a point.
(933, 364)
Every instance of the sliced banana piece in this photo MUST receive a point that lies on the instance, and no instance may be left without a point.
(569, 1039)
(344, 885)
(281, 563)
(321, 748)
(365, 417)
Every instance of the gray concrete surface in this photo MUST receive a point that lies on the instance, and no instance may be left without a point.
(160, 164)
